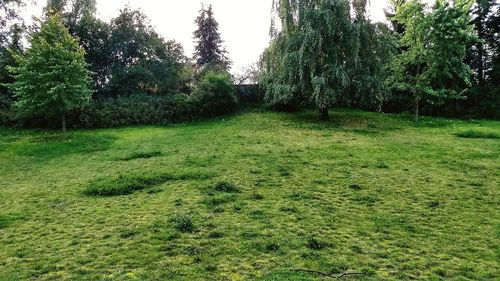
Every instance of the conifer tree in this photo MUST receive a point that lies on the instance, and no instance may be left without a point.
(209, 50)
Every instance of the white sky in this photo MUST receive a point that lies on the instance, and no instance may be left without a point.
(244, 24)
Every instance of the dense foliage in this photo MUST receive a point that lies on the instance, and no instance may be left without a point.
(442, 59)
(137, 76)
(52, 78)
(433, 46)
(325, 54)
(138, 109)
(215, 94)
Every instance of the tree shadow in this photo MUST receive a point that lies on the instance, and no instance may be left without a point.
(54, 145)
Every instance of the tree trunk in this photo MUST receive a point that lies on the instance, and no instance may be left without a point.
(323, 114)
(64, 123)
(416, 109)
(480, 50)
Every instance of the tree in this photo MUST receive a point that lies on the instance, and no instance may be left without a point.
(433, 49)
(141, 60)
(52, 78)
(481, 53)
(391, 12)
(248, 74)
(95, 37)
(309, 56)
(55, 7)
(325, 53)
(80, 9)
(8, 15)
(368, 67)
(208, 49)
(11, 31)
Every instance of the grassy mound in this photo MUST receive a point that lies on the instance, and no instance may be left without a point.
(142, 155)
(473, 134)
(128, 184)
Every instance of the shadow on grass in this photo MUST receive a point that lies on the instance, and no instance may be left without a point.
(358, 121)
(473, 134)
(50, 146)
(8, 219)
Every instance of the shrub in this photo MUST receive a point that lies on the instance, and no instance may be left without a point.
(226, 187)
(183, 223)
(6, 115)
(140, 109)
(316, 244)
(214, 94)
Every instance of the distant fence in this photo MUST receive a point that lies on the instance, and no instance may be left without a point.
(250, 93)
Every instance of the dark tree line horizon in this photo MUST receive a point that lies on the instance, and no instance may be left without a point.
(440, 59)
(125, 57)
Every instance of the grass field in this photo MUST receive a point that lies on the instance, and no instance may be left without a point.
(258, 196)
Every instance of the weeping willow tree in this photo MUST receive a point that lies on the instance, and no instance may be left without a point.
(314, 56)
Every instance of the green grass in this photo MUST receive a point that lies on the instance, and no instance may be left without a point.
(258, 196)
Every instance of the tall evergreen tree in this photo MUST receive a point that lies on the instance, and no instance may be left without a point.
(209, 50)
(52, 78)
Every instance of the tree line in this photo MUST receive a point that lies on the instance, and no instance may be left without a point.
(443, 57)
(76, 64)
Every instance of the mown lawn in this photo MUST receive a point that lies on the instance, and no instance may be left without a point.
(258, 196)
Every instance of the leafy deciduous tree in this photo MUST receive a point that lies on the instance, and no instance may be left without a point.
(142, 61)
(52, 78)
(433, 48)
(325, 54)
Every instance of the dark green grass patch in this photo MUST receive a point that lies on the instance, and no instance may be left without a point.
(226, 187)
(220, 199)
(128, 184)
(474, 134)
(8, 219)
(49, 146)
(316, 243)
(142, 155)
(184, 223)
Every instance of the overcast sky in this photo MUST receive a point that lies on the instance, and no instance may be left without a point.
(244, 24)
